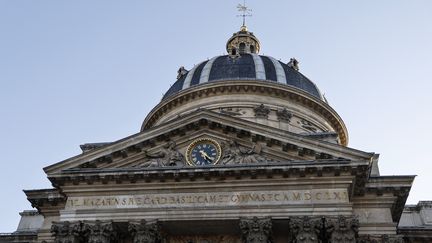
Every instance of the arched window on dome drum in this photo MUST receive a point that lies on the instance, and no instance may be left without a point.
(252, 49)
(233, 52)
(242, 48)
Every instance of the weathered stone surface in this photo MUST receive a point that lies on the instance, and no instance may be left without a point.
(167, 156)
(215, 199)
(305, 230)
(261, 111)
(67, 232)
(144, 232)
(342, 229)
(255, 230)
(235, 154)
(98, 231)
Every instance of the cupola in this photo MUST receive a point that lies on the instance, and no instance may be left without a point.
(243, 42)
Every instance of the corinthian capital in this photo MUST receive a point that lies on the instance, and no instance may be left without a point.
(66, 232)
(144, 232)
(98, 231)
(255, 230)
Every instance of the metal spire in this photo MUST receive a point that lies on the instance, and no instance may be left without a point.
(246, 12)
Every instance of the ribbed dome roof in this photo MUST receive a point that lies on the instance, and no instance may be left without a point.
(243, 67)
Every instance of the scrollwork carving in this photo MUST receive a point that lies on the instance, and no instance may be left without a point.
(255, 230)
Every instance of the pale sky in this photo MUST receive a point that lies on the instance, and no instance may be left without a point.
(73, 72)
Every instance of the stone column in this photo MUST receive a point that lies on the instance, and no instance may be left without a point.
(342, 230)
(255, 230)
(66, 232)
(98, 231)
(144, 232)
(305, 230)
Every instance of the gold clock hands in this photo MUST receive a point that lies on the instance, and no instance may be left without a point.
(205, 155)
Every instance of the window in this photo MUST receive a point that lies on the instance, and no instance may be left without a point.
(252, 48)
(233, 52)
(242, 48)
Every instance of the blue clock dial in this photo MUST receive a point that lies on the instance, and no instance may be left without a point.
(203, 152)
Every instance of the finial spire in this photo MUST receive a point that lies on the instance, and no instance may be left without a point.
(246, 12)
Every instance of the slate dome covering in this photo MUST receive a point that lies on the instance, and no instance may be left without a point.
(248, 66)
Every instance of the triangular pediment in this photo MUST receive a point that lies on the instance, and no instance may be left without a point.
(251, 142)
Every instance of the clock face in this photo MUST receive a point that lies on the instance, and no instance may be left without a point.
(203, 151)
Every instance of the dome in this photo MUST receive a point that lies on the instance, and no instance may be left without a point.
(246, 66)
(252, 87)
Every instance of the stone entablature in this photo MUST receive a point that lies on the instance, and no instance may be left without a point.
(291, 169)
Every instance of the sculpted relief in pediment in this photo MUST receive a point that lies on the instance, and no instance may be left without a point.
(168, 155)
(204, 151)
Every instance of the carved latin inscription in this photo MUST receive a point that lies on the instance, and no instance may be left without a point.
(294, 197)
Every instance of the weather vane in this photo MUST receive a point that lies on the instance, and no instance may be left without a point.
(246, 12)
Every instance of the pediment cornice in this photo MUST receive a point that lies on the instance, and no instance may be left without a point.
(237, 128)
(352, 171)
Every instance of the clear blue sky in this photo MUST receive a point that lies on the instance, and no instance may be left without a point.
(80, 71)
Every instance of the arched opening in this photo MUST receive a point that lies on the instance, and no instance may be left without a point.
(252, 48)
(242, 48)
(233, 52)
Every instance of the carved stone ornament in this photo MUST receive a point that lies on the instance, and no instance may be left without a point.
(294, 64)
(261, 111)
(144, 232)
(342, 230)
(66, 232)
(255, 230)
(233, 153)
(305, 230)
(98, 231)
(167, 156)
(232, 111)
(181, 72)
(284, 115)
(308, 126)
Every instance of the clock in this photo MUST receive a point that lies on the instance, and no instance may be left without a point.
(203, 151)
